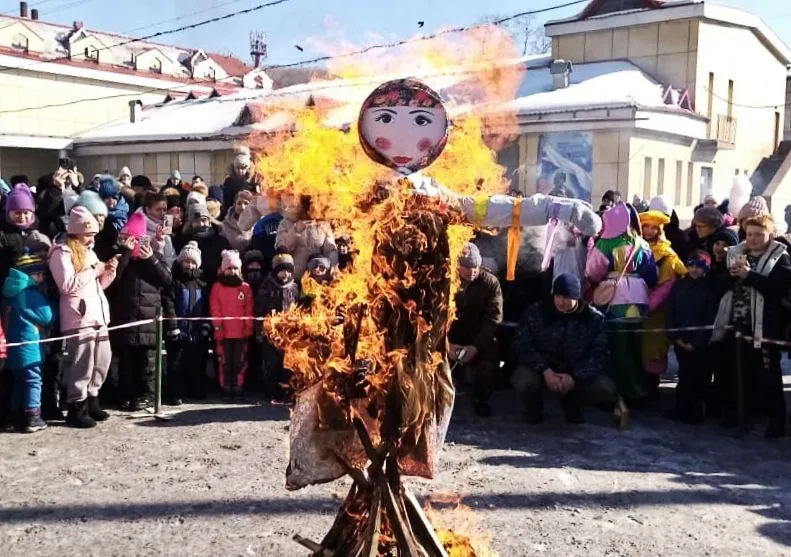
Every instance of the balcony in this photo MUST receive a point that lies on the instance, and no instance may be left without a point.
(721, 135)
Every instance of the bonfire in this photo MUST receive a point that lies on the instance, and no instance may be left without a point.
(368, 359)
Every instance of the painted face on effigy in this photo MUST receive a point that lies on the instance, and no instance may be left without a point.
(403, 125)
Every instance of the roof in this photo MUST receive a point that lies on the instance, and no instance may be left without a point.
(594, 85)
(589, 19)
(119, 51)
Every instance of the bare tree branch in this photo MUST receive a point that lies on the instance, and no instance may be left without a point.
(527, 33)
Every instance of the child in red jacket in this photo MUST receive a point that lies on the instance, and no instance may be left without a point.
(231, 297)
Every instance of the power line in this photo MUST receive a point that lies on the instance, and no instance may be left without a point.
(179, 18)
(742, 105)
(162, 33)
(62, 7)
(305, 62)
(444, 32)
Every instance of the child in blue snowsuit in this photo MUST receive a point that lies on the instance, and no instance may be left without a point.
(28, 314)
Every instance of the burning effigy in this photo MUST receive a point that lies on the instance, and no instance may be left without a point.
(368, 358)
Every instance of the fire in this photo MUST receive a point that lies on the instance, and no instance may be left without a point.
(458, 528)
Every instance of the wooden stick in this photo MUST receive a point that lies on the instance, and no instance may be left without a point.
(404, 536)
(309, 544)
(356, 339)
(367, 444)
(424, 532)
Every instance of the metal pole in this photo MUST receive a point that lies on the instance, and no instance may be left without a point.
(740, 417)
(158, 386)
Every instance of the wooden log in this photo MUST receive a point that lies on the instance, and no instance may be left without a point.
(424, 532)
(367, 544)
(309, 544)
(404, 536)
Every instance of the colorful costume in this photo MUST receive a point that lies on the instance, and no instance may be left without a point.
(655, 344)
(630, 304)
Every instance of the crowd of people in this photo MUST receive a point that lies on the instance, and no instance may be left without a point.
(78, 258)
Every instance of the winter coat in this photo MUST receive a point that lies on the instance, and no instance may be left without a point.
(82, 299)
(479, 311)
(211, 248)
(235, 183)
(26, 312)
(305, 238)
(677, 238)
(693, 303)
(14, 241)
(231, 301)
(274, 297)
(669, 268)
(186, 297)
(574, 343)
(119, 215)
(238, 238)
(50, 211)
(137, 295)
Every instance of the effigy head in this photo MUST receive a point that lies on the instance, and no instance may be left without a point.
(403, 125)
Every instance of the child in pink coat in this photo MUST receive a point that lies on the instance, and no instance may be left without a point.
(81, 280)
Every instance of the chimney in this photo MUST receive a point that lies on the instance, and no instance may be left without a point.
(76, 26)
(135, 111)
(34, 14)
(561, 71)
(23, 9)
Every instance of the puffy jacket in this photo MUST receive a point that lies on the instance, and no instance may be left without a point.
(15, 241)
(186, 297)
(231, 301)
(479, 311)
(27, 312)
(137, 295)
(304, 238)
(275, 297)
(232, 231)
(82, 299)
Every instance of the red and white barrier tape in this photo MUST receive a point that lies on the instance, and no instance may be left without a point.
(86, 332)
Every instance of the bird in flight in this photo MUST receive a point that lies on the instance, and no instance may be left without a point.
(299, 48)
(421, 23)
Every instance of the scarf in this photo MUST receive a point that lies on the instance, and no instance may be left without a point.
(230, 280)
(667, 261)
(766, 264)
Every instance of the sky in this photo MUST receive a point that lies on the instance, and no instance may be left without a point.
(309, 23)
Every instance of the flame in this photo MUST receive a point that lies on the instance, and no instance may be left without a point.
(458, 528)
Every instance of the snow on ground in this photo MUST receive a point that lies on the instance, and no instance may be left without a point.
(210, 482)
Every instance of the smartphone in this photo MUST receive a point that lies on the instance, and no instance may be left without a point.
(168, 226)
(144, 241)
(66, 163)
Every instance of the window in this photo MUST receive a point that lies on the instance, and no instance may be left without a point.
(661, 177)
(92, 53)
(706, 181)
(710, 110)
(20, 41)
(690, 178)
(647, 179)
(155, 65)
(730, 99)
(210, 73)
(777, 131)
(679, 185)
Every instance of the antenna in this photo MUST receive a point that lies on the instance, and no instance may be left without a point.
(257, 47)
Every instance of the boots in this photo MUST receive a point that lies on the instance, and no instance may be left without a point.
(78, 415)
(33, 421)
(95, 411)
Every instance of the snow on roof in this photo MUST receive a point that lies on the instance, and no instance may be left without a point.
(593, 85)
(116, 53)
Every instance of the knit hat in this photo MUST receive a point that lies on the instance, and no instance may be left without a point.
(135, 226)
(470, 256)
(175, 175)
(253, 256)
(173, 197)
(725, 235)
(198, 210)
(241, 159)
(655, 218)
(93, 202)
(20, 199)
(195, 197)
(567, 285)
(230, 260)
(709, 216)
(699, 258)
(30, 263)
(616, 221)
(318, 260)
(282, 261)
(755, 207)
(108, 187)
(125, 172)
(216, 192)
(662, 204)
(81, 221)
(245, 195)
(190, 252)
